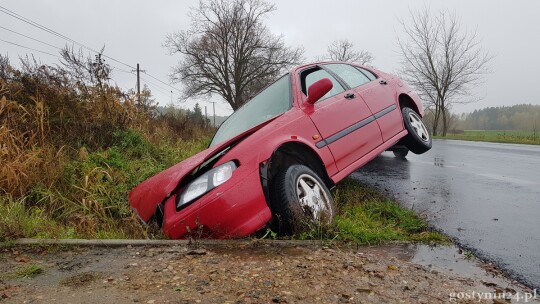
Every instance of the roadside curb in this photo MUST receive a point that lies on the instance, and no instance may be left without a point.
(183, 243)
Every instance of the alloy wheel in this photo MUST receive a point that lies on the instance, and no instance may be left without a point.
(311, 196)
(419, 126)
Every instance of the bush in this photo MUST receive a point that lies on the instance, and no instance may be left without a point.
(72, 148)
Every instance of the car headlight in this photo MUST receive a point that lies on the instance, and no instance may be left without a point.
(206, 182)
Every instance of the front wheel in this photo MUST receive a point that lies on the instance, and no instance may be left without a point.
(418, 140)
(302, 201)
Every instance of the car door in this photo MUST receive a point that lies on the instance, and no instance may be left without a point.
(377, 94)
(342, 118)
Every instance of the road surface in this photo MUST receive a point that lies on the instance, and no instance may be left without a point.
(486, 195)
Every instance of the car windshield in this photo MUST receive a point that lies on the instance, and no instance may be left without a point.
(272, 101)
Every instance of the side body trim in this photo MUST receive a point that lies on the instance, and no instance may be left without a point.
(356, 126)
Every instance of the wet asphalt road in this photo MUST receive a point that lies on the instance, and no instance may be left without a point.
(485, 195)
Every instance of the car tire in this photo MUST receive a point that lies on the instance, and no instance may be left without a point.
(418, 140)
(401, 152)
(302, 201)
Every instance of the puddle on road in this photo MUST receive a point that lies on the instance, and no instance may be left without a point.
(449, 260)
(444, 259)
(438, 258)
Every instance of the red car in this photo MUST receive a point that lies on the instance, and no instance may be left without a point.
(272, 162)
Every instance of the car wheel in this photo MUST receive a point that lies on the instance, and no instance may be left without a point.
(302, 201)
(418, 140)
(400, 152)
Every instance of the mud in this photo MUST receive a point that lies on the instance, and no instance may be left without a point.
(248, 272)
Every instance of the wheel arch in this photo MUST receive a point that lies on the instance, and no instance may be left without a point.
(289, 153)
(406, 101)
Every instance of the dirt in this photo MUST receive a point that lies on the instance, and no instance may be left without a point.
(243, 273)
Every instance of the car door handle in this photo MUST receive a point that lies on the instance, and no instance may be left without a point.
(350, 96)
(382, 81)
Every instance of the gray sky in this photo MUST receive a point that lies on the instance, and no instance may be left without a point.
(134, 31)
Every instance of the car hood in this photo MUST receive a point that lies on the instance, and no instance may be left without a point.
(146, 196)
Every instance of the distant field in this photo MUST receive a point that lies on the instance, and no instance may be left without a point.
(500, 136)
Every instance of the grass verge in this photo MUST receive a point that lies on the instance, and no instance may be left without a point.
(365, 216)
(91, 200)
(510, 137)
(17, 221)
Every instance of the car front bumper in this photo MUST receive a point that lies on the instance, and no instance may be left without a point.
(235, 209)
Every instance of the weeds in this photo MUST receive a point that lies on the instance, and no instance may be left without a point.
(29, 271)
(17, 220)
(90, 197)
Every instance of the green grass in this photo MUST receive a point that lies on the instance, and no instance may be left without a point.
(367, 217)
(512, 137)
(17, 221)
(28, 271)
(90, 200)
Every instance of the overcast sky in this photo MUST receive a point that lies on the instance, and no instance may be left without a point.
(134, 31)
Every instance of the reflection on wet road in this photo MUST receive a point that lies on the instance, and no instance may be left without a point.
(484, 194)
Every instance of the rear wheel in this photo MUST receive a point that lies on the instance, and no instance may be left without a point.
(418, 140)
(400, 152)
(302, 201)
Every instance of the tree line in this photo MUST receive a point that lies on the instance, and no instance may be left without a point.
(517, 117)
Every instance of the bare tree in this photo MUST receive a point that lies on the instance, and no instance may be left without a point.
(85, 71)
(229, 51)
(343, 50)
(441, 61)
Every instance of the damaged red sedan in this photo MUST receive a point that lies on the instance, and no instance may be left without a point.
(273, 161)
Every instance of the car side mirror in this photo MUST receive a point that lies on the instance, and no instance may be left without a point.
(318, 89)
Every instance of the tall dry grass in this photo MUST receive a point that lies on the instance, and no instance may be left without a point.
(71, 152)
(25, 156)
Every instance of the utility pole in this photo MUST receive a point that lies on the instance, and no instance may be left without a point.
(205, 117)
(138, 84)
(171, 98)
(214, 105)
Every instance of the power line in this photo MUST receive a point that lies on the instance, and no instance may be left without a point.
(162, 82)
(35, 50)
(43, 42)
(147, 82)
(154, 89)
(48, 44)
(154, 84)
(122, 70)
(151, 84)
(39, 26)
(55, 33)
(50, 31)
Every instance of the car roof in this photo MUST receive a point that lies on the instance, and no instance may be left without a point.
(301, 67)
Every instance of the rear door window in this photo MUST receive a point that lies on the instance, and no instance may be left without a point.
(349, 74)
(369, 74)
